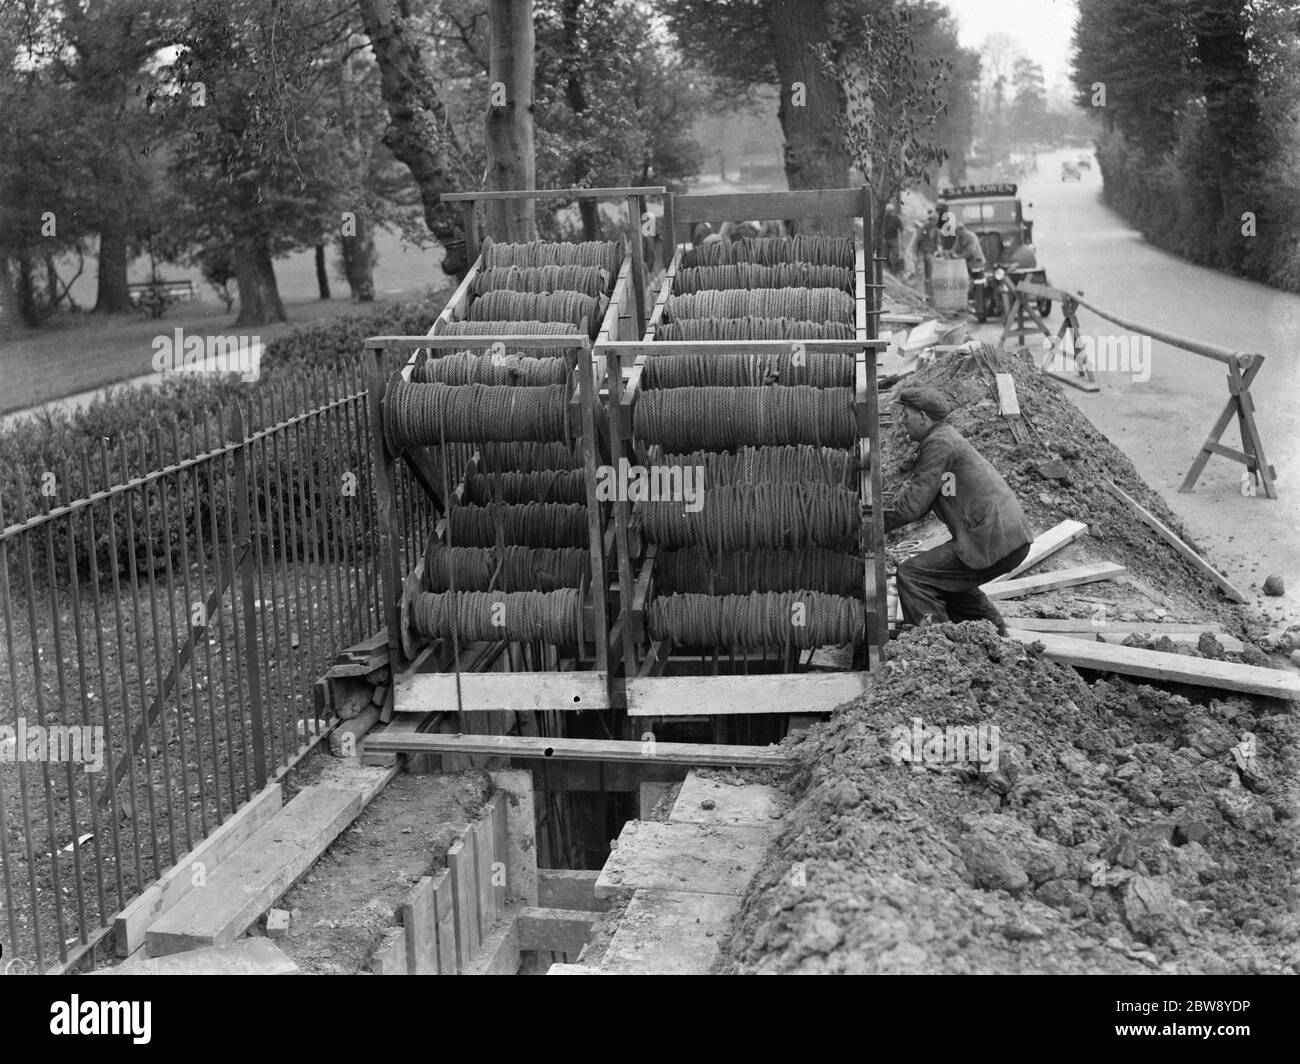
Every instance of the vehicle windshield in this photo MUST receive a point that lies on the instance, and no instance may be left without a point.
(998, 212)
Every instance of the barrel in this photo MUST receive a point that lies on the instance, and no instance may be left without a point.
(950, 285)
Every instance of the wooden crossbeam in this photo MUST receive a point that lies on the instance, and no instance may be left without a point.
(687, 696)
(558, 749)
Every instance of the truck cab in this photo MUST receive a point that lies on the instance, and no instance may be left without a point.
(993, 213)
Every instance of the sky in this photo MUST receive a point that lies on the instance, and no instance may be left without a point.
(1043, 27)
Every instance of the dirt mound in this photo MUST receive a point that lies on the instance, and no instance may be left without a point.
(1056, 429)
(1104, 828)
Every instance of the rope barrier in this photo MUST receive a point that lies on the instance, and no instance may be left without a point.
(720, 418)
(749, 516)
(490, 616)
(698, 569)
(801, 304)
(512, 486)
(752, 275)
(752, 328)
(532, 524)
(418, 414)
(768, 251)
(466, 367)
(510, 568)
(803, 619)
(687, 371)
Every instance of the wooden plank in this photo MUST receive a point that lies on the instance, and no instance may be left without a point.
(1008, 401)
(490, 692)
(421, 924)
(134, 921)
(1182, 549)
(483, 836)
(444, 908)
(519, 834)
(390, 956)
(1057, 578)
(244, 885)
(245, 956)
(770, 206)
(722, 803)
(468, 343)
(678, 696)
(1046, 545)
(630, 349)
(658, 856)
(586, 749)
(670, 932)
(1080, 383)
(464, 892)
(1086, 624)
(1229, 643)
(1167, 668)
(564, 889)
(499, 954)
(555, 930)
(553, 193)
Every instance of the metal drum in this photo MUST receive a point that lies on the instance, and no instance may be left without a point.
(950, 285)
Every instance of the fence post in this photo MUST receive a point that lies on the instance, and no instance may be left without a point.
(244, 545)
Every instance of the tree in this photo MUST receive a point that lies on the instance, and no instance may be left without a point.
(512, 162)
(1029, 103)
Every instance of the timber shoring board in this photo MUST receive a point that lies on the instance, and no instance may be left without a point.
(560, 888)
(688, 696)
(555, 930)
(243, 886)
(1051, 581)
(464, 893)
(558, 749)
(489, 692)
(1166, 668)
(421, 925)
(1171, 537)
(390, 954)
(483, 835)
(499, 953)
(517, 831)
(134, 921)
(444, 907)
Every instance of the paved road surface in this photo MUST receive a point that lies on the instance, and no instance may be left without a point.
(1162, 422)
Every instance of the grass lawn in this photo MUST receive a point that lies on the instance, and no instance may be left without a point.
(76, 353)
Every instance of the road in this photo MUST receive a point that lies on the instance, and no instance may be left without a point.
(1160, 423)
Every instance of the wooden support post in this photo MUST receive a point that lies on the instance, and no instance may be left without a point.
(390, 545)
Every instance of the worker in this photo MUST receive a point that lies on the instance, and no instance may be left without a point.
(927, 243)
(892, 231)
(990, 535)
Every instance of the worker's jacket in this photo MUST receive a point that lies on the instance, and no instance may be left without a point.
(967, 494)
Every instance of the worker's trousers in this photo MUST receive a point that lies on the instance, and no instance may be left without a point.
(939, 585)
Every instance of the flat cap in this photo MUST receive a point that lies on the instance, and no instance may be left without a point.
(926, 400)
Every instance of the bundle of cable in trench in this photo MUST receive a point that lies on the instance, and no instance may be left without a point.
(768, 251)
(715, 419)
(418, 415)
(570, 307)
(751, 328)
(752, 275)
(748, 516)
(510, 568)
(516, 486)
(589, 280)
(532, 524)
(468, 367)
(801, 304)
(493, 616)
(698, 569)
(750, 465)
(607, 254)
(803, 619)
(527, 457)
(814, 368)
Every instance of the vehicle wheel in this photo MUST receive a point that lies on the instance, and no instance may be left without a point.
(1045, 307)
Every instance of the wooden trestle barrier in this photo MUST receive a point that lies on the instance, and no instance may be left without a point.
(1242, 368)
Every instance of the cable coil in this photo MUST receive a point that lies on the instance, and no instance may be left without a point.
(699, 569)
(752, 275)
(721, 418)
(768, 251)
(425, 414)
(492, 616)
(801, 304)
(689, 371)
(799, 465)
(513, 486)
(749, 516)
(802, 619)
(509, 568)
(467, 367)
(532, 524)
(751, 328)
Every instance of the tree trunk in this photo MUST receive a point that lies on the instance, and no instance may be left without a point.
(414, 108)
(575, 95)
(322, 274)
(358, 255)
(512, 162)
(259, 296)
(814, 148)
(113, 297)
(10, 310)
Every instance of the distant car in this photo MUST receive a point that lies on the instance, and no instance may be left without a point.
(1084, 163)
(1071, 172)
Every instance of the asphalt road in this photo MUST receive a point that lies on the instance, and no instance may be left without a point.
(1161, 422)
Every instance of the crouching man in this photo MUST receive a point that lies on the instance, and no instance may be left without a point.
(990, 535)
